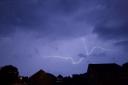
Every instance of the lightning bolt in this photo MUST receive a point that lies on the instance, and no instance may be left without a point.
(68, 58)
(87, 53)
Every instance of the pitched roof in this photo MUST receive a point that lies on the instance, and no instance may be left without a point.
(103, 67)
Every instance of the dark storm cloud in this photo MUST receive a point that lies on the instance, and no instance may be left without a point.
(112, 30)
(42, 28)
(18, 12)
(122, 44)
(29, 14)
(47, 17)
(115, 24)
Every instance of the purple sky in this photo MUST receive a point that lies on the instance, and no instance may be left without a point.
(62, 36)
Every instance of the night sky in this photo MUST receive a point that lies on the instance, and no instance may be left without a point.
(62, 36)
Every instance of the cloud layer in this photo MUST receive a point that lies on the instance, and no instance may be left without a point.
(32, 30)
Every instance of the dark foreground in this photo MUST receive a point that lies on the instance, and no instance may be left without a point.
(97, 74)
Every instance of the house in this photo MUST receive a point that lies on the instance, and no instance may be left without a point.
(103, 74)
(42, 78)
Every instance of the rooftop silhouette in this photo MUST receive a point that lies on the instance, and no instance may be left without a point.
(97, 74)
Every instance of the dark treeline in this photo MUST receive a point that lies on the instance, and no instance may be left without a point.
(97, 74)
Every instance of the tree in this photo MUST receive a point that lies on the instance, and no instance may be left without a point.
(8, 74)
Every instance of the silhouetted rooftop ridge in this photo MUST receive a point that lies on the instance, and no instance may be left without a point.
(39, 73)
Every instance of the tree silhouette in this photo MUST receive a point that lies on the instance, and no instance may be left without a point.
(8, 74)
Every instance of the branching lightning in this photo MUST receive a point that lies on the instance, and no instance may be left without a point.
(87, 53)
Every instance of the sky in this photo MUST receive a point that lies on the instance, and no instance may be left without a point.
(62, 36)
